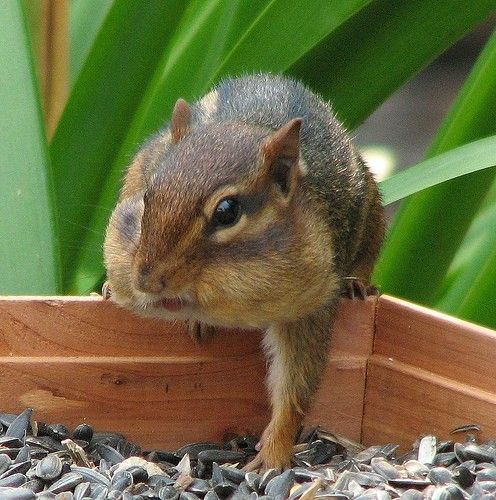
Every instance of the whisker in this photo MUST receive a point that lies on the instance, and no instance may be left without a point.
(75, 224)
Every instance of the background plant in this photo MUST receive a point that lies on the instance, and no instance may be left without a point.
(129, 61)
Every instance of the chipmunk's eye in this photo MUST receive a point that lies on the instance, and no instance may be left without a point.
(227, 212)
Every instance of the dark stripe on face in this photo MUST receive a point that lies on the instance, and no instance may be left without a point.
(252, 203)
(275, 239)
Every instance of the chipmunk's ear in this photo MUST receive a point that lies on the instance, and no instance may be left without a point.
(281, 153)
(180, 121)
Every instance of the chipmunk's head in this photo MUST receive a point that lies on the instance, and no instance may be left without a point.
(222, 231)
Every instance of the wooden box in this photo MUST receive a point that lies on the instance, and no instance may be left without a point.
(396, 370)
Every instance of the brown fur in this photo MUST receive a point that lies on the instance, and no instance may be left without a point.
(310, 217)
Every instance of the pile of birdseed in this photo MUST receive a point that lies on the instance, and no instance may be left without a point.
(47, 461)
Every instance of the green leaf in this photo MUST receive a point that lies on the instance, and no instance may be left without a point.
(472, 157)
(28, 246)
(288, 31)
(186, 69)
(469, 271)
(430, 226)
(478, 302)
(100, 109)
(85, 19)
(368, 57)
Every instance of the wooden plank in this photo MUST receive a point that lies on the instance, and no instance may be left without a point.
(428, 373)
(32, 326)
(159, 403)
(74, 360)
(68, 326)
(338, 405)
(403, 402)
(436, 342)
(156, 402)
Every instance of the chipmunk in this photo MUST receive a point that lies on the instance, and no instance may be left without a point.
(250, 209)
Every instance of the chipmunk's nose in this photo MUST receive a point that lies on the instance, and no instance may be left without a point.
(146, 280)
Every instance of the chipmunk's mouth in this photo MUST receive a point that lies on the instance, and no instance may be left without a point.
(144, 304)
(173, 305)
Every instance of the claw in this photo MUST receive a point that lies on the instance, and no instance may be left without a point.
(254, 465)
(261, 464)
(200, 332)
(106, 291)
(355, 288)
(272, 455)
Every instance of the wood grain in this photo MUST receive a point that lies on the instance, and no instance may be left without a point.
(83, 359)
(403, 402)
(428, 373)
(436, 342)
(156, 402)
(71, 326)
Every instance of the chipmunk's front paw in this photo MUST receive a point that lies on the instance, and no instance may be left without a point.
(274, 454)
(200, 332)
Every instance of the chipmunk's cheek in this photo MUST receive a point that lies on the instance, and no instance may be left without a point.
(220, 301)
(207, 297)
